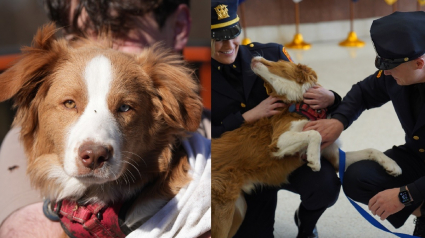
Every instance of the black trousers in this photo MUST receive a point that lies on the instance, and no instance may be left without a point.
(364, 179)
(318, 191)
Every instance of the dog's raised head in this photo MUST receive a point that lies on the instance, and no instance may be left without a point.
(99, 123)
(284, 79)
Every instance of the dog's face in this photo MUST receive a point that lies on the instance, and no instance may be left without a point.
(91, 115)
(284, 79)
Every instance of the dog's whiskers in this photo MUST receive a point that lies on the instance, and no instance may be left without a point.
(137, 156)
(132, 176)
(134, 167)
(125, 175)
(134, 161)
(127, 181)
(115, 177)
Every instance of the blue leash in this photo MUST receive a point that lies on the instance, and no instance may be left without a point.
(365, 214)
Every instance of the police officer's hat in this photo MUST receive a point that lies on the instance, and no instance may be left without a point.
(398, 38)
(224, 20)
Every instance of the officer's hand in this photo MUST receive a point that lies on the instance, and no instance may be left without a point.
(329, 129)
(268, 107)
(318, 97)
(385, 203)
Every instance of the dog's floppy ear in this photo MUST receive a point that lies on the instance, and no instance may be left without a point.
(305, 74)
(176, 88)
(24, 78)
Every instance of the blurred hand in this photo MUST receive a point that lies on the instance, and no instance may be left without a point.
(268, 107)
(318, 97)
(385, 203)
(329, 129)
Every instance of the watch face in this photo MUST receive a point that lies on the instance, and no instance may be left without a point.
(404, 197)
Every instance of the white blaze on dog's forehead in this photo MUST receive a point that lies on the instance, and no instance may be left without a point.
(97, 123)
(98, 77)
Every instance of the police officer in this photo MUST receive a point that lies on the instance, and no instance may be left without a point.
(239, 96)
(399, 41)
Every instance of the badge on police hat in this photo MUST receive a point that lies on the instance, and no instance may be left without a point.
(222, 11)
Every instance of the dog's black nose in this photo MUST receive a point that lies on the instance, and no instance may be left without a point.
(93, 155)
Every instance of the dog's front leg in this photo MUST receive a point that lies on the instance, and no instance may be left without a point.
(292, 142)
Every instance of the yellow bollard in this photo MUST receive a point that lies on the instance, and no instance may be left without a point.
(298, 43)
(352, 41)
(246, 41)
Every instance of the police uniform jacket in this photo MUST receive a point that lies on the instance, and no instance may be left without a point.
(227, 104)
(375, 91)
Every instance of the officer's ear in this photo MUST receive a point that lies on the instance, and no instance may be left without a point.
(180, 23)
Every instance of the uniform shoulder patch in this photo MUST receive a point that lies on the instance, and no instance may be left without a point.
(287, 55)
(379, 74)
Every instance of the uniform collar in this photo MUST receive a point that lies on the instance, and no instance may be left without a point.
(220, 84)
(245, 65)
(243, 62)
(236, 66)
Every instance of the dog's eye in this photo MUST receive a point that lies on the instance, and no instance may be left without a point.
(69, 104)
(124, 108)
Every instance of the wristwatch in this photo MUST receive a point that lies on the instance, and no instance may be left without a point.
(404, 196)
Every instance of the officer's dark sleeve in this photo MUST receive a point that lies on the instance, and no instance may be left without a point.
(229, 123)
(417, 189)
(366, 94)
(337, 101)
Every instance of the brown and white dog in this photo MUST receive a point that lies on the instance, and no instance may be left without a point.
(101, 126)
(267, 151)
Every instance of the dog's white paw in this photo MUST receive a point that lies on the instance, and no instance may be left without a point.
(313, 160)
(313, 152)
(392, 167)
(389, 164)
(314, 165)
(279, 154)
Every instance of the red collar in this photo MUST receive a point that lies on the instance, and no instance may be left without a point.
(305, 110)
(92, 220)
